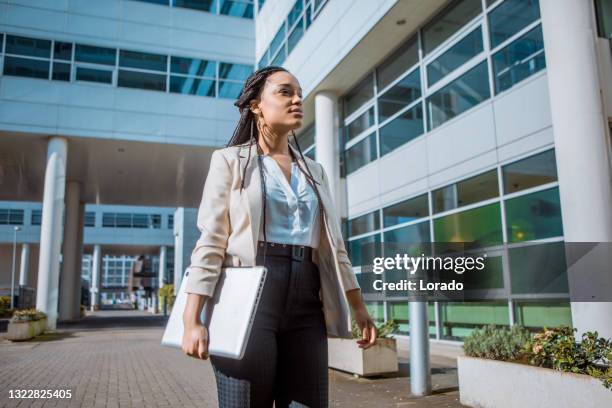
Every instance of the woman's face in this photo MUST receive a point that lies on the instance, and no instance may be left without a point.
(280, 102)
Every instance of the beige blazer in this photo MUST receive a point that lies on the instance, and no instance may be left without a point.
(229, 222)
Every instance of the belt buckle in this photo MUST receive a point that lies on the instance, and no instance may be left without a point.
(297, 252)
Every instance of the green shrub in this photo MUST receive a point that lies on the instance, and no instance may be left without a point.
(5, 306)
(382, 330)
(28, 315)
(166, 291)
(557, 348)
(496, 342)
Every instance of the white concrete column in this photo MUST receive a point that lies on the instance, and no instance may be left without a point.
(96, 272)
(579, 132)
(162, 264)
(70, 273)
(327, 141)
(51, 230)
(24, 265)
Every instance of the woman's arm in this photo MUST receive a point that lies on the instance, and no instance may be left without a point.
(208, 253)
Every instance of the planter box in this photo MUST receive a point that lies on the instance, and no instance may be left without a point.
(25, 330)
(487, 383)
(345, 355)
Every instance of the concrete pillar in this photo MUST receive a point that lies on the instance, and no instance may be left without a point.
(96, 272)
(327, 141)
(51, 230)
(186, 234)
(24, 265)
(162, 265)
(70, 273)
(579, 132)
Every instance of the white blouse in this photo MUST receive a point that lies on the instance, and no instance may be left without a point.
(291, 209)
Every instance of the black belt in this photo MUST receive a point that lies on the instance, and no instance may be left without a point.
(296, 252)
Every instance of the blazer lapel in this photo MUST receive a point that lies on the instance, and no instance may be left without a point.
(252, 185)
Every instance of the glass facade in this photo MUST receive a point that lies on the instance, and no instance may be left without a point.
(440, 73)
(290, 32)
(516, 204)
(64, 61)
(235, 8)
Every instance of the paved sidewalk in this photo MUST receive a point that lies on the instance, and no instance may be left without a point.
(114, 359)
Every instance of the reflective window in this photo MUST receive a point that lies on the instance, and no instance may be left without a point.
(278, 39)
(306, 139)
(409, 234)
(359, 250)
(399, 62)
(36, 218)
(361, 123)
(141, 80)
(142, 60)
(162, 2)
(360, 154)
(530, 172)
(202, 5)
(238, 72)
(365, 223)
(294, 13)
(603, 9)
(359, 95)
(537, 314)
(94, 75)
(193, 66)
(408, 210)
(192, 86)
(398, 311)
(295, 36)
(469, 191)
(32, 47)
(62, 51)
(534, 216)
(401, 130)
(95, 55)
(460, 95)
(459, 319)
(11, 216)
(236, 8)
(510, 17)
(456, 56)
(479, 226)
(229, 89)
(90, 219)
(448, 22)
(280, 57)
(399, 95)
(519, 60)
(25, 67)
(61, 72)
(260, 3)
(539, 268)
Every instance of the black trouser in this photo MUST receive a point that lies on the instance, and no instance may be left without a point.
(286, 357)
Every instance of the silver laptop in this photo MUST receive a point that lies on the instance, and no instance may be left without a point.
(228, 315)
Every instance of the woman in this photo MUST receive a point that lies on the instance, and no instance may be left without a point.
(260, 183)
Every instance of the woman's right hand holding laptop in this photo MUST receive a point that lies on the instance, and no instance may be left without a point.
(195, 334)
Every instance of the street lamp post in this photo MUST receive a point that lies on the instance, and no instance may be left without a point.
(15, 229)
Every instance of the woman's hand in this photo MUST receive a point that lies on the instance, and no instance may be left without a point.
(195, 341)
(367, 327)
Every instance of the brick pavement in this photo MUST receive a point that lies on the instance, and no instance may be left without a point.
(114, 359)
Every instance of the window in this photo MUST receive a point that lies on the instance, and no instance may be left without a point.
(519, 60)
(537, 314)
(409, 234)
(363, 224)
(406, 56)
(539, 268)
(360, 154)
(141, 80)
(11, 216)
(27, 57)
(359, 95)
(236, 8)
(201, 5)
(459, 319)
(193, 76)
(95, 55)
(405, 211)
(36, 218)
(456, 56)
(400, 95)
(464, 93)
(90, 219)
(530, 172)
(361, 249)
(469, 191)
(603, 9)
(128, 220)
(481, 227)
(510, 17)
(448, 22)
(534, 216)
(401, 130)
(359, 125)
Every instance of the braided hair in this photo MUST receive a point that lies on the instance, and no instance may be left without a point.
(246, 132)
